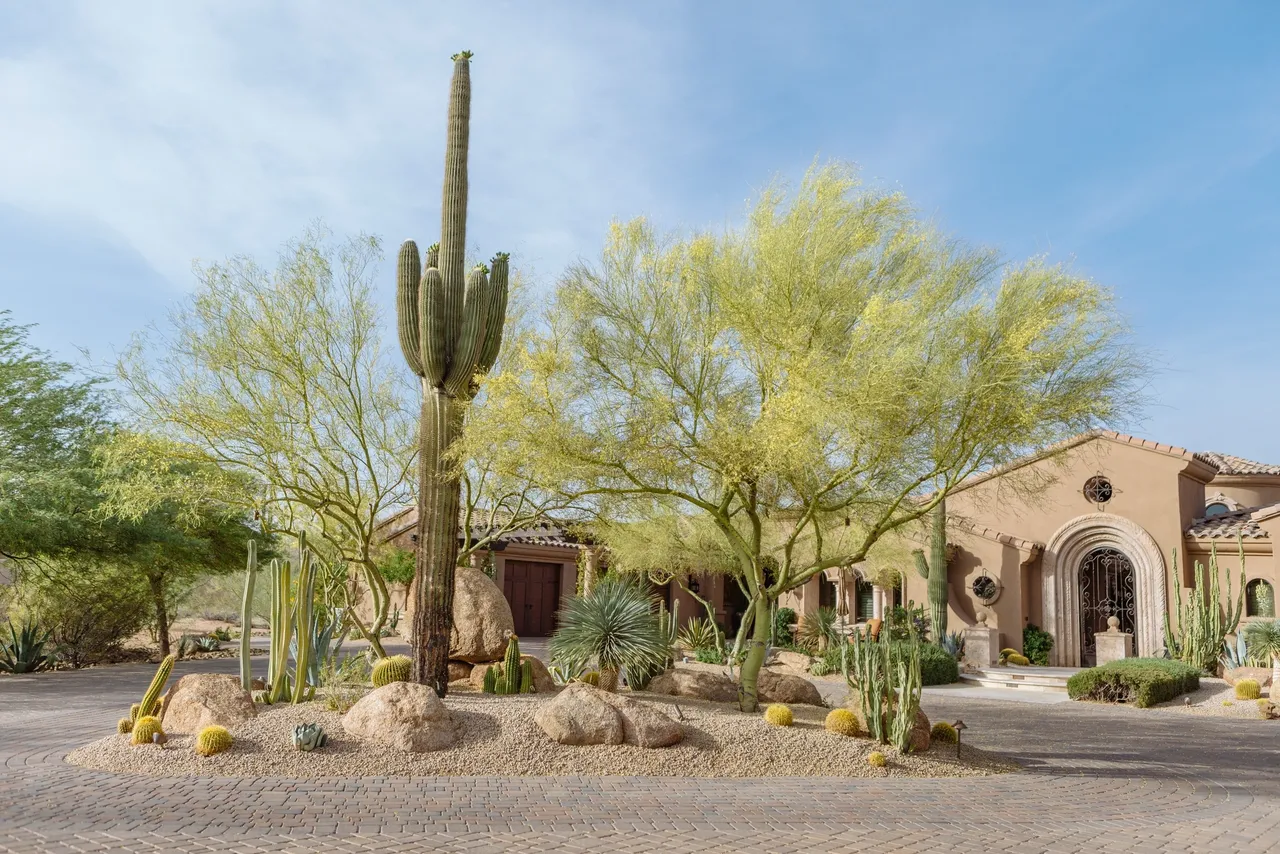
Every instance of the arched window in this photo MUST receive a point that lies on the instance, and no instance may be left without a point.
(1216, 509)
(1259, 599)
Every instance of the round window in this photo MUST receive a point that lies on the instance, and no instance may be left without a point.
(984, 587)
(1097, 489)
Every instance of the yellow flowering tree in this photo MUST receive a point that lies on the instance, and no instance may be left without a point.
(808, 383)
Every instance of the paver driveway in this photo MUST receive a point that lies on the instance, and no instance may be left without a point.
(1096, 779)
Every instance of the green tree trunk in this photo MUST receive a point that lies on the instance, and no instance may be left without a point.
(748, 693)
(437, 539)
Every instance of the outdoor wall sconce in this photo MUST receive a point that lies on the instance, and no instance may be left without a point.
(694, 586)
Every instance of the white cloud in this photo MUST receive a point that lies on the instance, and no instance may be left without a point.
(200, 130)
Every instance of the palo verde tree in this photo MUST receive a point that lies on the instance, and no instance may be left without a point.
(282, 375)
(450, 324)
(810, 382)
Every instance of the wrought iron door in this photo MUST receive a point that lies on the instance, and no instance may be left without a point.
(1106, 590)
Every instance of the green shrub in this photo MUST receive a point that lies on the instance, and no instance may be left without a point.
(88, 611)
(1142, 681)
(783, 618)
(708, 655)
(1036, 644)
(937, 666)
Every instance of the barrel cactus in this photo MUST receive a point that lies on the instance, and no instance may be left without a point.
(876, 759)
(842, 722)
(395, 668)
(125, 726)
(450, 329)
(145, 730)
(1248, 689)
(212, 739)
(944, 732)
(779, 715)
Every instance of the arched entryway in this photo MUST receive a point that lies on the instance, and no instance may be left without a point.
(1105, 589)
(1118, 546)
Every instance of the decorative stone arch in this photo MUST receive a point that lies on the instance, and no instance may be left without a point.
(1063, 556)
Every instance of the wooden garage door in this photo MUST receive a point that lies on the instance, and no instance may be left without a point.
(533, 590)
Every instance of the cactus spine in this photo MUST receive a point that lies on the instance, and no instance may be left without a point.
(152, 697)
(450, 329)
(934, 571)
(246, 619)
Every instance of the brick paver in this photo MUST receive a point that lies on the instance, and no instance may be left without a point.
(1096, 779)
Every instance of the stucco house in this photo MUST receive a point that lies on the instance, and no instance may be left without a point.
(1065, 540)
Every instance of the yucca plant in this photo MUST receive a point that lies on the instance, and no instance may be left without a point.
(699, 633)
(1263, 640)
(24, 652)
(818, 630)
(613, 627)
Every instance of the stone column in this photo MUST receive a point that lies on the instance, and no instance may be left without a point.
(591, 564)
(981, 643)
(877, 602)
(1113, 644)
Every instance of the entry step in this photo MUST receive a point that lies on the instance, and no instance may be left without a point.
(1020, 678)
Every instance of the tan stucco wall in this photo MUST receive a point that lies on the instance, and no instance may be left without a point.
(1248, 491)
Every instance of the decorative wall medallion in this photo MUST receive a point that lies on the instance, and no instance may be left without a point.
(983, 587)
(1098, 490)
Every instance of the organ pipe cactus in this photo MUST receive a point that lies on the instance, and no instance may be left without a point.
(934, 571)
(1204, 620)
(886, 676)
(450, 329)
(246, 619)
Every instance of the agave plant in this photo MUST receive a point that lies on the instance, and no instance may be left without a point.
(24, 652)
(818, 630)
(1263, 640)
(1234, 654)
(613, 627)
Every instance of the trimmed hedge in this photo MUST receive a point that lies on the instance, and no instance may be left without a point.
(1142, 681)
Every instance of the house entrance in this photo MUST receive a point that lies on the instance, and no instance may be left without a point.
(1106, 590)
(532, 589)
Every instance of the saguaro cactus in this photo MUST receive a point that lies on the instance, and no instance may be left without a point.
(934, 571)
(450, 327)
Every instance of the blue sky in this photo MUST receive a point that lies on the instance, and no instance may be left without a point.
(1140, 140)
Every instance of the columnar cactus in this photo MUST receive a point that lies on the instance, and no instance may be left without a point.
(934, 571)
(246, 620)
(511, 667)
(151, 699)
(450, 329)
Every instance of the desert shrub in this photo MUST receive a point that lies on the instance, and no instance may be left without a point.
(1036, 644)
(1142, 681)
(842, 722)
(779, 715)
(698, 633)
(1248, 689)
(876, 759)
(89, 612)
(708, 655)
(783, 618)
(899, 621)
(937, 666)
(944, 732)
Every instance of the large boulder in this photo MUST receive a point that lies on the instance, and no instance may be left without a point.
(796, 661)
(404, 715)
(542, 681)
(482, 619)
(784, 688)
(701, 684)
(1261, 674)
(205, 699)
(583, 714)
(459, 671)
(580, 715)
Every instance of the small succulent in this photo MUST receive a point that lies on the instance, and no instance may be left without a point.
(308, 737)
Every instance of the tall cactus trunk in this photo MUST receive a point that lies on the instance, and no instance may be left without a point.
(450, 329)
(246, 620)
(437, 557)
(934, 571)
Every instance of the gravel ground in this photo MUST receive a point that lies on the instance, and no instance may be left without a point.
(499, 738)
(1214, 698)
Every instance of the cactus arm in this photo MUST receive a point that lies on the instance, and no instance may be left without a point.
(453, 212)
(922, 563)
(433, 255)
(147, 706)
(303, 626)
(246, 620)
(497, 313)
(431, 303)
(408, 278)
(471, 339)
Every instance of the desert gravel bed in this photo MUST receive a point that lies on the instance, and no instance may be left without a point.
(1214, 698)
(499, 738)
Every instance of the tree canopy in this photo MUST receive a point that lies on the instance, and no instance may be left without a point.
(808, 383)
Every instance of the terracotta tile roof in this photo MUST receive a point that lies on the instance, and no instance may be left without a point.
(1230, 525)
(1231, 464)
